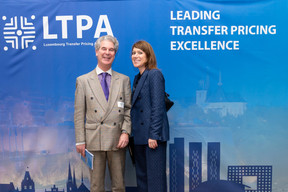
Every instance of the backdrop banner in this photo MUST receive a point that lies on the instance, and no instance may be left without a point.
(225, 66)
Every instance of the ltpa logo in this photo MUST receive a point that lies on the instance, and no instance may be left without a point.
(19, 32)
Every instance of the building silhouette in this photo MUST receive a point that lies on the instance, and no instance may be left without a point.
(7, 187)
(195, 165)
(176, 165)
(219, 101)
(54, 189)
(27, 184)
(82, 187)
(213, 161)
(262, 175)
(71, 185)
(219, 186)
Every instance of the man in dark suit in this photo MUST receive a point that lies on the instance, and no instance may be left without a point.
(102, 117)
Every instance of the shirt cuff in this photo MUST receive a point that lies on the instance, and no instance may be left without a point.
(80, 143)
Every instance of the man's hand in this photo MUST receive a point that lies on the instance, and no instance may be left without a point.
(152, 143)
(81, 149)
(123, 140)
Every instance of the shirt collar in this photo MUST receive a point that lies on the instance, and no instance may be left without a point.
(99, 71)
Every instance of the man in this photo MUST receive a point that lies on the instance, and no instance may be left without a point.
(102, 117)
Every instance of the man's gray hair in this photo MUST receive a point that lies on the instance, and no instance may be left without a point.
(108, 38)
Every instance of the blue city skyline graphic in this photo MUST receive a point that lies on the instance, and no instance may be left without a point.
(31, 114)
(236, 174)
(28, 185)
(237, 180)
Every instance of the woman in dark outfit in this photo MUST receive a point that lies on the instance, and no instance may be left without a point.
(149, 120)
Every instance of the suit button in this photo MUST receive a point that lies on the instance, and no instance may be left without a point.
(95, 111)
(91, 98)
(142, 123)
(102, 123)
(141, 111)
(139, 97)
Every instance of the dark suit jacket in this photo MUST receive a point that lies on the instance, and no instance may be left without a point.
(148, 111)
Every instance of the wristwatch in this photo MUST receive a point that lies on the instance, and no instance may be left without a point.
(125, 132)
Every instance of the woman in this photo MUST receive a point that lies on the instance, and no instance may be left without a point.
(149, 120)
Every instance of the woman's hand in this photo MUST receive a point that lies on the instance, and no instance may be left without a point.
(152, 143)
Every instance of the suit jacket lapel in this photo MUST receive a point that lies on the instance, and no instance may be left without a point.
(97, 90)
(139, 86)
(113, 93)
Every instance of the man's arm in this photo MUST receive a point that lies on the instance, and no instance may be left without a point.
(79, 117)
(126, 125)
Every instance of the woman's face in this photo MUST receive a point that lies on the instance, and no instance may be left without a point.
(139, 59)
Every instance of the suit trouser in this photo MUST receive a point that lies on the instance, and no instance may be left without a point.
(116, 166)
(151, 168)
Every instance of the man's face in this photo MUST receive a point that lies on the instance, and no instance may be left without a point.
(105, 54)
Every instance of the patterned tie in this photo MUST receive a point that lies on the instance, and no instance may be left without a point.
(104, 85)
